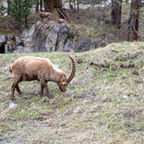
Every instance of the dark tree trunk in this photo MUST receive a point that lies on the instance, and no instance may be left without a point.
(41, 4)
(8, 9)
(127, 1)
(26, 16)
(74, 4)
(26, 22)
(70, 4)
(116, 12)
(51, 5)
(37, 6)
(19, 20)
(78, 6)
(45, 5)
(134, 20)
(78, 9)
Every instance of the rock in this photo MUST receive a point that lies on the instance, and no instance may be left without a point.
(12, 105)
(80, 45)
(2, 39)
(10, 37)
(28, 33)
(24, 34)
(31, 30)
(27, 41)
(9, 43)
(125, 97)
(64, 35)
(28, 49)
(54, 37)
(19, 49)
(135, 72)
(76, 110)
(48, 24)
(3, 114)
(48, 122)
(51, 40)
(6, 48)
(17, 40)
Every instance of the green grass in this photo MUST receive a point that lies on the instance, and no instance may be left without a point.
(93, 110)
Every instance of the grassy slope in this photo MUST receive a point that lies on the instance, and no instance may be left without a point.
(103, 103)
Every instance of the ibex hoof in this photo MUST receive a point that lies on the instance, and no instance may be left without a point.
(50, 96)
(13, 99)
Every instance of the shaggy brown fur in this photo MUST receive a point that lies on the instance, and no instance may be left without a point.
(30, 68)
(44, 15)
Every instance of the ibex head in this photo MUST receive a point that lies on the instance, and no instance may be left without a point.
(64, 80)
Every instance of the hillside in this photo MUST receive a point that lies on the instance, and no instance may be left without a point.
(103, 104)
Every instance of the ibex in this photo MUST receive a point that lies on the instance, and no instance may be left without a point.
(44, 15)
(30, 68)
(62, 21)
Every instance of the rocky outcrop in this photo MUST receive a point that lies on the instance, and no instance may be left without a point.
(47, 37)
(53, 37)
(2, 39)
(8, 43)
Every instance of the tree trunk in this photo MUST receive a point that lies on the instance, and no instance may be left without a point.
(134, 20)
(78, 5)
(127, 1)
(41, 4)
(78, 9)
(116, 12)
(45, 5)
(74, 4)
(8, 9)
(70, 4)
(26, 22)
(37, 6)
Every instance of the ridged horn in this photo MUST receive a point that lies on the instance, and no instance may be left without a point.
(73, 70)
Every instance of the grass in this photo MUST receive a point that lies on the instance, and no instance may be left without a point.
(103, 103)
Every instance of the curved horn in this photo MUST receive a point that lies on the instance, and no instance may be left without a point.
(73, 70)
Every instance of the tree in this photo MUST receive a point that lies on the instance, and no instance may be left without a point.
(134, 20)
(8, 9)
(17, 9)
(37, 6)
(45, 4)
(116, 12)
(127, 1)
(41, 3)
(27, 6)
(20, 9)
(2, 8)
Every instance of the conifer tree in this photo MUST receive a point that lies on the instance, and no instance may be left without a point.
(2, 8)
(20, 10)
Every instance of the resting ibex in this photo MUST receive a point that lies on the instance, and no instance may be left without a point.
(30, 68)
(44, 15)
(62, 21)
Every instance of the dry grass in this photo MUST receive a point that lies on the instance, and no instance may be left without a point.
(103, 103)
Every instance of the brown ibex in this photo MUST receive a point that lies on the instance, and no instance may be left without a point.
(62, 21)
(30, 68)
(44, 15)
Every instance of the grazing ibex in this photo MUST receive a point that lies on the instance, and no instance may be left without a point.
(30, 68)
(44, 15)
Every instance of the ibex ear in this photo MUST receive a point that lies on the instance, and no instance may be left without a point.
(62, 79)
